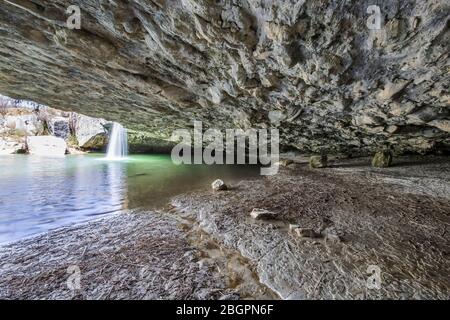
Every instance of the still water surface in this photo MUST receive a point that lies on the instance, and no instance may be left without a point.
(38, 194)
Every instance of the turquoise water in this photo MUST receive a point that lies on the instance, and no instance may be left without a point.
(38, 194)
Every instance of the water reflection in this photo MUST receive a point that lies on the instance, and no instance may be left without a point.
(38, 194)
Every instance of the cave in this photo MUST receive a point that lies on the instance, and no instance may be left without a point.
(224, 150)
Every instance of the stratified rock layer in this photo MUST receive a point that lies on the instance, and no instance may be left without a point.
(157, 65)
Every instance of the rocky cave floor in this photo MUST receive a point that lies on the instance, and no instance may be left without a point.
(205, 245)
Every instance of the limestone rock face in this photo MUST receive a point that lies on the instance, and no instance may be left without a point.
(318, 161)
(59, 127)
(262, 214)
(46, 146)
(143, 142)
(89, 132)
(219, 185)
(156, 65)
(10, 146)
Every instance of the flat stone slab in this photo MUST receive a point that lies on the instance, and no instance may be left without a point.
(48, 146)
(367, 218)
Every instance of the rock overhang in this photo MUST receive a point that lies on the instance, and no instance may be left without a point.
(156, 66)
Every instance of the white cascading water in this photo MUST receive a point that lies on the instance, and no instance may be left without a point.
(118, 143)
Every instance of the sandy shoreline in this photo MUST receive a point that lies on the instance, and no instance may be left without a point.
(208, 247)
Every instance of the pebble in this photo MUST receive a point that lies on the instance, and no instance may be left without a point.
(259, 214)
(219, 185)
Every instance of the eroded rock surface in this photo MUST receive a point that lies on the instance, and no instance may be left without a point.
(131, 255)
(156, 65)
(336, 224)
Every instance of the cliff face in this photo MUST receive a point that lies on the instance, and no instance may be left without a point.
(155, 65)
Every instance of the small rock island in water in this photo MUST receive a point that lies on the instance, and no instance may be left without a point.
(224, 150)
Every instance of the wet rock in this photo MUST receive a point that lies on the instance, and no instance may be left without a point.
(219, 185)
(46, 146)
(382, 159)
(318, 161)
(155, 259)
(262, 214)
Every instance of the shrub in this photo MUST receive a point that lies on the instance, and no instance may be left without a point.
(72, 141)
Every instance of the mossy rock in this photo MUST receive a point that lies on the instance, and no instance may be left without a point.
(318, 161)
(72, 141)
(285, 162)
(382, 159)
(97, 142)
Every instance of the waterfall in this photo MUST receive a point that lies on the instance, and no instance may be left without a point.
(118, 143)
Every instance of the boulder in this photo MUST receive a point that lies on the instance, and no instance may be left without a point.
(303, 61)
(382, 159)
(285, 162)
(219, 185)
(262, 214)
(318, 161)
(46, 146)
(90, 132)
(59, 127)
(306, 233)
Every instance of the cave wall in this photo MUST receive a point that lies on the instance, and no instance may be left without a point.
(156, 65)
